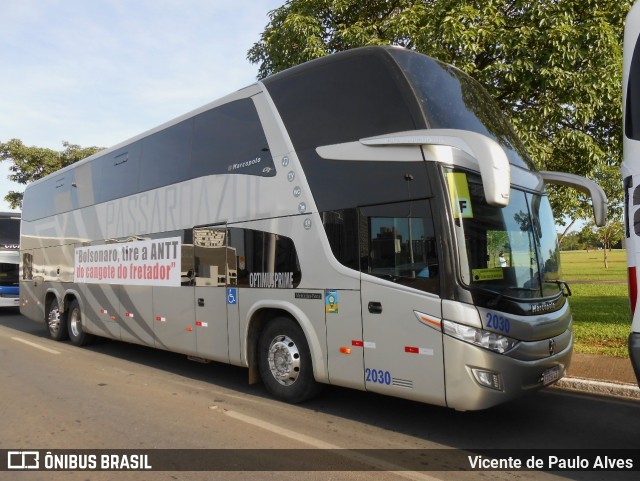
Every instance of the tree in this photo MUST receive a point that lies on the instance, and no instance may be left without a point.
(554, 66)
(609, 235)
(569, 242)
(605, 237)
(33, 163)
(587, 237)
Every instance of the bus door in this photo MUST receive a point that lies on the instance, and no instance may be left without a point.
(401, 309)
(213, 272)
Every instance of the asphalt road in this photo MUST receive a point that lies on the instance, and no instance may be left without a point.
(113, 395)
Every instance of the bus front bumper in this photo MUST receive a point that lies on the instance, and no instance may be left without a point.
(7, 302)
(476, 378)
(8, 298)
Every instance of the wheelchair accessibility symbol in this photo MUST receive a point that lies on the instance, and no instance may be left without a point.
(232, 295)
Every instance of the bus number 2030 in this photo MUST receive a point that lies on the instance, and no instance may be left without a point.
(377, 376)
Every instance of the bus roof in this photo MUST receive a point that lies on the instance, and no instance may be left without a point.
(360, 93)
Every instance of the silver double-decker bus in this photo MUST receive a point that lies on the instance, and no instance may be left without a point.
(367, 220)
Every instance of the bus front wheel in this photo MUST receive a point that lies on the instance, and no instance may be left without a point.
(285, 362)
(57, 322)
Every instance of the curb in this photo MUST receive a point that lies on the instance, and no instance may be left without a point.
(605, 388)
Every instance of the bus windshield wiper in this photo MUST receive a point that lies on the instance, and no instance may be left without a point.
(496, 300)
(499, 295)
(522, 289)
(562, 285)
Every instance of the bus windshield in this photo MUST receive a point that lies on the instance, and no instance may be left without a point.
(9, 262)
(512, 251)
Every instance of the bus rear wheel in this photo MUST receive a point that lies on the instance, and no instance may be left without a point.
(76, 334)
(57, 322)
(284, 361)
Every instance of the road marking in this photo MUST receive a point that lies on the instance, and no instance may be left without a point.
(316, 443)
(37, 346)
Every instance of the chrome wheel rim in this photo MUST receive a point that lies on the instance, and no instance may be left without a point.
(75, 323)
(284, 360)
(54, 320)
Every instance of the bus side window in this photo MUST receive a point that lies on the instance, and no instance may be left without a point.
(257, 253)
(210, 256)
(399, 244)
(636, 215)
(27, 267)
(341, 227)
(632, 124)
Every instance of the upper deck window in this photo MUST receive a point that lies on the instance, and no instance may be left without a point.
(632, 118)
(227, 139)
(450, 99)
(343, 98)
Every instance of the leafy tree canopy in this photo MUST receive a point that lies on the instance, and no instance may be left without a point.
(32, 163)
(554, 66)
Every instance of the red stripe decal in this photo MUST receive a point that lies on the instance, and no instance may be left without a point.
(633, 289)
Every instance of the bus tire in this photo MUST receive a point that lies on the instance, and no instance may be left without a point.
(284, 361)
(57, 322)
(74, 321)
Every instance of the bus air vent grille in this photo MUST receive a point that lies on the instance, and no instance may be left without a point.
(405, 383)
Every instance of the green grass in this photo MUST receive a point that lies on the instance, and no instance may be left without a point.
(583, 265)
(601, 318)
(600, 301)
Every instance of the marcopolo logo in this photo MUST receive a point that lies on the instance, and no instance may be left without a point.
(541, 307)
(243, 165)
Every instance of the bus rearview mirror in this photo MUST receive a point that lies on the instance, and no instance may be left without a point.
(587, 186)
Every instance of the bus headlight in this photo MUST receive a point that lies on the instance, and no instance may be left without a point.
(479, 337)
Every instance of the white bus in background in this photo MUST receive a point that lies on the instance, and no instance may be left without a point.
(631, 170)
(9, 259)
(341, 222)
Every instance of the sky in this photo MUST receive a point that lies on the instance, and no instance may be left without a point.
(98, 72)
